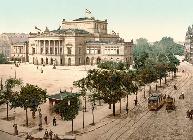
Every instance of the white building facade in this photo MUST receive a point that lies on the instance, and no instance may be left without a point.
(78, 42)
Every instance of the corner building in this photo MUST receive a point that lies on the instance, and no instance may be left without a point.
(78, 42)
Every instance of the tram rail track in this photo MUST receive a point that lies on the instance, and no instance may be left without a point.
(129, 133)
(114, 131)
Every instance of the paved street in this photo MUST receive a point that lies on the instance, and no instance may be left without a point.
(5, 136)
(144, 124)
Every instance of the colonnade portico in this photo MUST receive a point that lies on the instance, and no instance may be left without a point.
(45, 47)
(48, 51)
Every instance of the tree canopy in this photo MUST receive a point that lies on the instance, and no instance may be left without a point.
(3, 59)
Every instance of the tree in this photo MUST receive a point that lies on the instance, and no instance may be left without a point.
(31, 96)
(3, 59)
(168, 44)
(110, 65)
(8, 93)
(68, 107)
(82, 85)
(174, 62)
(141, 53)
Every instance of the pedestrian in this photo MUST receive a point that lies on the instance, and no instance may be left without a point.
(127, 109)
(175, 87)
(135, 102)
(46, 120)
(50, 134)
(54, 121)
(46, 134)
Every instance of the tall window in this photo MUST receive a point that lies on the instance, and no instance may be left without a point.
(41, 50)
(99, 51)
(46, 50)
(33, 51)
(79, 61)
(117, 51)
(51, 50)
(79, 51)
(55, 51)
(69, 50)
(61, 50)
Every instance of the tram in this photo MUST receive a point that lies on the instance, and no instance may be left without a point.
(155, 101)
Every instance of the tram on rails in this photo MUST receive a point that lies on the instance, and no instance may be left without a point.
(155, 101)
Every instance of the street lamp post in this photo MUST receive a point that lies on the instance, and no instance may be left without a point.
(93, 106)
(40, 119)
(83, 116)
(136, 94)
(1, 84)
(15, 74)
(15, 125)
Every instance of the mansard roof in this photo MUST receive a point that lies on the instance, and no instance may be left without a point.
(84, 18)
(63, 31)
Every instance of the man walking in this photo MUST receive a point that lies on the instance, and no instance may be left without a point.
(46, 120)
(54, 121)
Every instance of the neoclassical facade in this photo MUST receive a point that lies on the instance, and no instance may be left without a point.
(78, 42)
(19, 52)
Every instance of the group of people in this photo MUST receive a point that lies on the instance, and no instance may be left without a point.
(47, 135)
(50, 135)
(46, 120)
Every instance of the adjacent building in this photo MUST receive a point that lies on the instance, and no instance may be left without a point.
(78, 42)
(8, 39)
(189, 44)
(19, 52)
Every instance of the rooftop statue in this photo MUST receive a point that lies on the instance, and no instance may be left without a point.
(46, 30)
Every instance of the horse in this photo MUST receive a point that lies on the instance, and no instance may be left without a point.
(189, 114)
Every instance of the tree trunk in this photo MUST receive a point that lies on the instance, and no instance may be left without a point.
(149, 90)
(127, 103)
(83, 118)
(99, 102)
(144, 92)
(110, 106)
(33, 114)
(160, 81)
(113, 109)
(26, 117)
(165, 79)
(85, 103)
(72, 126)
(120, 106)
(7, 110)
(93, 116)
(156, 87)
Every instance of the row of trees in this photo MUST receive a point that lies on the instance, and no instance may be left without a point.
(114, 81)
(26, 97)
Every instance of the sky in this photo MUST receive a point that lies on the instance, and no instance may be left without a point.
(132, 19)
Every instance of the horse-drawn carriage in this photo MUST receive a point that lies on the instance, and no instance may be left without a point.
(170, 103)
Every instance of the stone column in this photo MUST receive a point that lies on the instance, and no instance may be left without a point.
(44, 47)
(54, 47)
(49, 47)
(59, 47)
